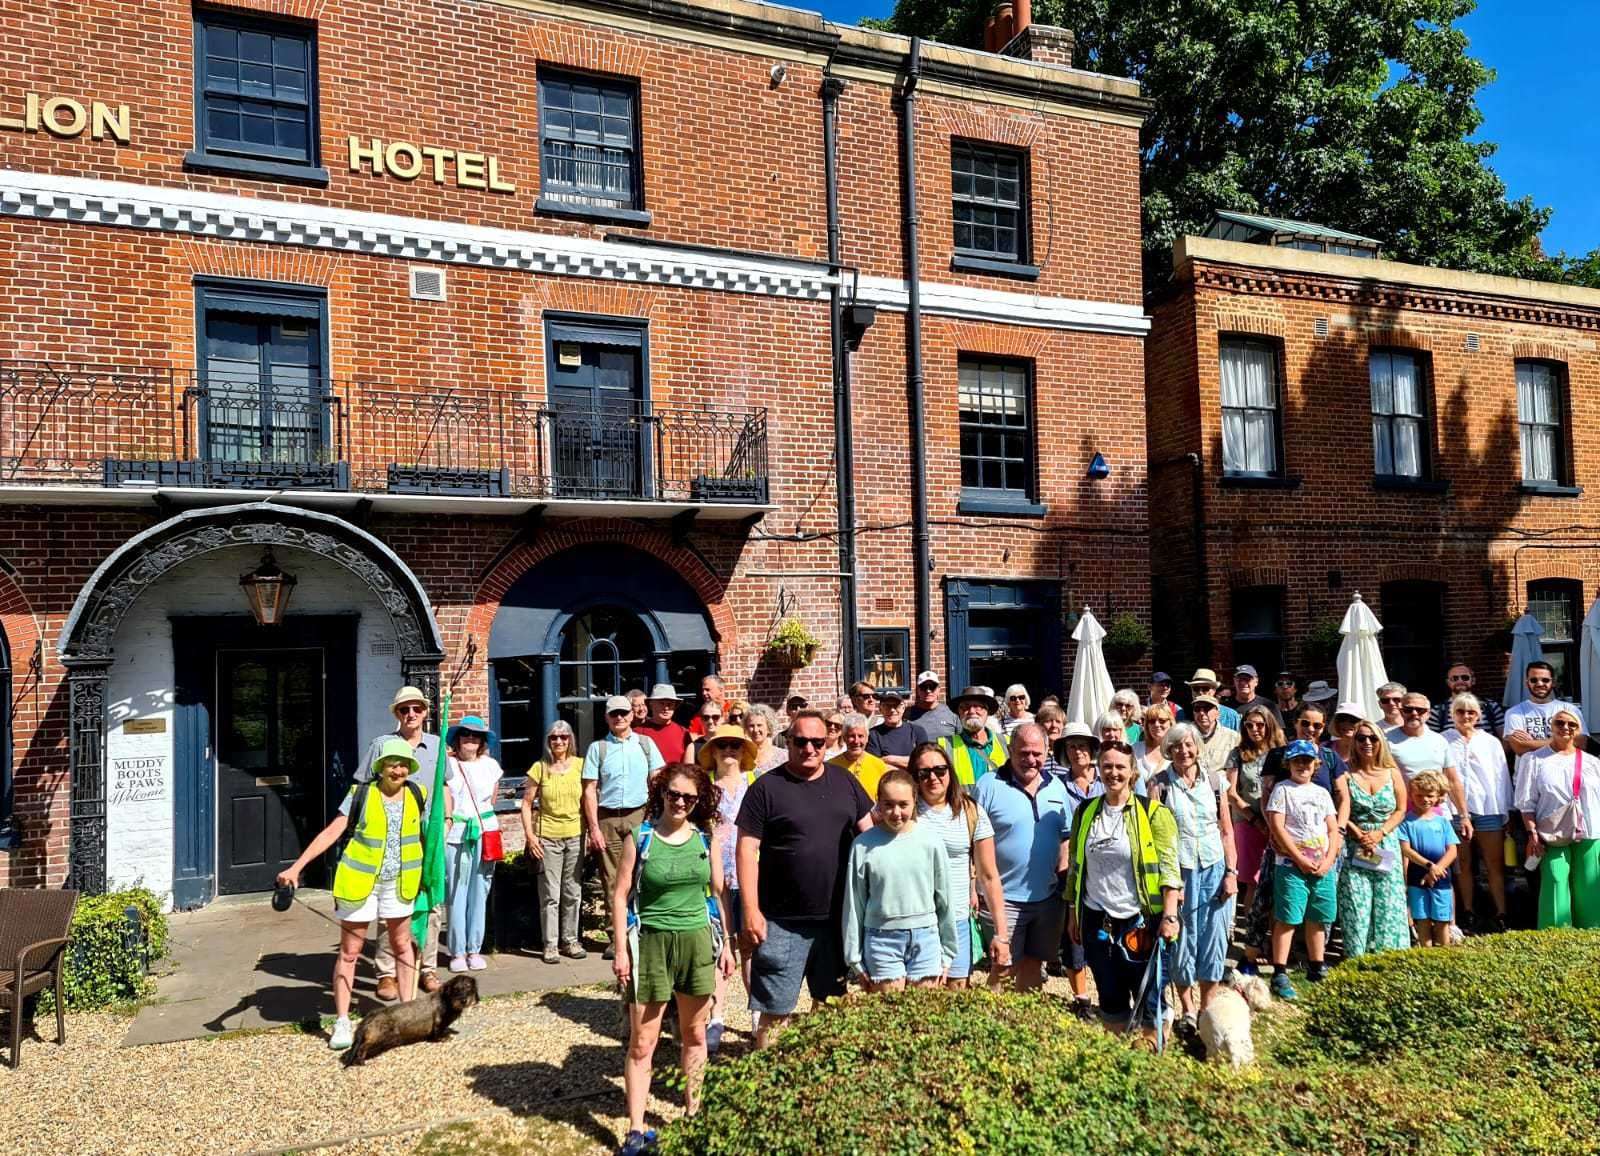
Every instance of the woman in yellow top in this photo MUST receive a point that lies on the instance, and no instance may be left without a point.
(553, 830)
(379, 873)
(867, 769)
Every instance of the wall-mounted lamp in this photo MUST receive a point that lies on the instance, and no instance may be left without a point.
(267, 589)
(1098, 468)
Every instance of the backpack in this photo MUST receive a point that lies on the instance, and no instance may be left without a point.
(645, 836)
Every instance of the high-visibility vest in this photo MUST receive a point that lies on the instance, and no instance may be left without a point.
(972, 762)
(1147, 864)
(362, 858)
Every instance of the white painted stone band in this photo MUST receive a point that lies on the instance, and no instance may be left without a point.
(52, 197)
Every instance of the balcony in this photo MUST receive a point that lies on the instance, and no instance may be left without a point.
(138, 428)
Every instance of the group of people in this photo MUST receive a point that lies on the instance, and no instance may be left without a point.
(889, 842)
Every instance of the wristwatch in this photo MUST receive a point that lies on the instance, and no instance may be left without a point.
(1230, 871)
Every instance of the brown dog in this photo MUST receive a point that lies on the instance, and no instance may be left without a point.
(428, 1017)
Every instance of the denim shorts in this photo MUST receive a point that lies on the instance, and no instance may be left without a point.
(1432, 903)
(1488, 823)
(794, 952)
(910, 954)
(961, 966)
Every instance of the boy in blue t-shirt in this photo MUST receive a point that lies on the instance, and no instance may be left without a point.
(1428, 846)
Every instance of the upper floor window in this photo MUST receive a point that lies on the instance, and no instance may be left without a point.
(885, 658)
(1400, 430)
(1258, 632)
(588, 143)
(1541, 415)
(1251, 439)
(989, 189)
(996, 429)
(255, 95)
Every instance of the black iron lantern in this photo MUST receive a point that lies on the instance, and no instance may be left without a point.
(267, 588)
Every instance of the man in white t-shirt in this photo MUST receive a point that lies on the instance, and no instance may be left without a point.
(1527, 726)
(1417, 749)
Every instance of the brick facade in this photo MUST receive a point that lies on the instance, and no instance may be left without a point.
(731, 158)
(1473, 535)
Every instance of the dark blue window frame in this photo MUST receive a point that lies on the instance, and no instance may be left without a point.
(994, 446)
(269, 299)
(611, 145)
(990, 208)
(253, 70)
(870, 649)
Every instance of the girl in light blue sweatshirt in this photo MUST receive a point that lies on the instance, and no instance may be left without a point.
(899, 924)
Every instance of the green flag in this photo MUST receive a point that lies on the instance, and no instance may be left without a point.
(431, 892)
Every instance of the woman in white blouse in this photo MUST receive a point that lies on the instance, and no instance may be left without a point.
(1548, 780)
(1480, 760)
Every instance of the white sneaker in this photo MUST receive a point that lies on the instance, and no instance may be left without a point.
(458, 963)
(343, 1034)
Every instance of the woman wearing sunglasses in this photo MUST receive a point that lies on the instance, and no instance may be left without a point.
(945, 808)
(1558, 795)
(729, 755)
(1372, 885)
(669, 887)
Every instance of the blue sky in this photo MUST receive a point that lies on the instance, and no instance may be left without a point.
(1537, 110)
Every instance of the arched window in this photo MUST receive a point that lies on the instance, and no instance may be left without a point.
(604, 652)
(8, 831)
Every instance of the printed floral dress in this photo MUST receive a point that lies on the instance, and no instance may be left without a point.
(1372, 904)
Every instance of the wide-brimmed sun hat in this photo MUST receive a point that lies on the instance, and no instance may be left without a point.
(976, 694)
(471, 724)
(747, 750)
(396, 748)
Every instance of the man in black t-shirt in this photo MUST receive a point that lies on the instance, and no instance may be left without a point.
(791, 886)
(893, 739)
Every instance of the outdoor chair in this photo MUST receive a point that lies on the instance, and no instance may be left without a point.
(34, 927)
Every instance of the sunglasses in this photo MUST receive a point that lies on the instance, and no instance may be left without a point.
(727, 745)
(411, 708)
(1286, 682)
(923, 774)
(681, 797)
(1564, 724)
(1413, 710)
(1541, 682)
(1364, 740)
(867, 697)
(1388, 700)
(1016, 698)
(619, 714)
(807, 743)
(1309, 726)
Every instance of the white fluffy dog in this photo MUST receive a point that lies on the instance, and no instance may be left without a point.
(1224, 1025)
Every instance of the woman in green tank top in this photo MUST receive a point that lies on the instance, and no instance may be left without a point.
(666, 876)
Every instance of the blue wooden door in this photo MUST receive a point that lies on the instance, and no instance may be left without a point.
(263, 383)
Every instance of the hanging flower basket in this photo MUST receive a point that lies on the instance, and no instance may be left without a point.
(1126, 639)
(1321, 643)
(792, 645)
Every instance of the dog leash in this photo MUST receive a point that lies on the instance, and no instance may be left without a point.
(370, 953)
(1154, 967)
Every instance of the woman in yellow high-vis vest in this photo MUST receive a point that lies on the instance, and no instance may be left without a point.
(379, 873)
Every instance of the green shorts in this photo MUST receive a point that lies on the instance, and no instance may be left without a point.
(673, 962)
(1300, 898)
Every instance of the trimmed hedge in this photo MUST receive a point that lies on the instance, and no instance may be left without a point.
(1433, 1070)
(103, 967)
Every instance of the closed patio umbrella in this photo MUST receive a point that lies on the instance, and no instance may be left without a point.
(1091, 691)
(1589, 661)
(1526, 648)
(1360, 660)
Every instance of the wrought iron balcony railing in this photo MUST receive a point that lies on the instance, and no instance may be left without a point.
(146, 425)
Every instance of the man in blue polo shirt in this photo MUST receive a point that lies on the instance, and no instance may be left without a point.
(1032, 813)
(616, 786)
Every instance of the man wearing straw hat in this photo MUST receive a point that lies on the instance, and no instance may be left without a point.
(410, 709)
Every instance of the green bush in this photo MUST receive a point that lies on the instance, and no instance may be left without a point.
(102, 967)
(941, 1071)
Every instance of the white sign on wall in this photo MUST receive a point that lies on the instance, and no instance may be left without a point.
(139, 790)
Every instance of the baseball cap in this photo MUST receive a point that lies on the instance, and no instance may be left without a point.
(926, 677)
(1161, 676)
(1245, 668)
(618, 702)
(891, 696)
(1300, 749)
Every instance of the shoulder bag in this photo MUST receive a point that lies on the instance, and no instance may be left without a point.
(1565, 824)
(490, 847)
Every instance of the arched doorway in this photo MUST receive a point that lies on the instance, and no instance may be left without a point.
(211, 546)
(581, 626)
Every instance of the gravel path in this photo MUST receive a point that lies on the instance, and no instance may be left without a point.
(533, 1073)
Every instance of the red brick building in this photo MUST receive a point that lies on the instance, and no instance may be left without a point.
(552, 354)
(1324, 423)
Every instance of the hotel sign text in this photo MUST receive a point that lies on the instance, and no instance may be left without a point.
(64, 117)
(399, 158)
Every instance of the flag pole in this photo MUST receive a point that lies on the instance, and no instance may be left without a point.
(431, 892)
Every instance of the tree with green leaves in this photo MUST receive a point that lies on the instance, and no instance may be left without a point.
(1359, 114)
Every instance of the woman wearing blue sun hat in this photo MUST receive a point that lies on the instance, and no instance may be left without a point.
(473, 838)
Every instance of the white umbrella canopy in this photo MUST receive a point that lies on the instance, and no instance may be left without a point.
(1360, 660)
(1091, 691)
(1589, 661)
(1526, 648)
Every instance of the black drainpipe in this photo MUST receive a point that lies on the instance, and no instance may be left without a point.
(844, 440)
(921, 558)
